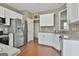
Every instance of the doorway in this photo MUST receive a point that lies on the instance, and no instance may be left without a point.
(36, 29)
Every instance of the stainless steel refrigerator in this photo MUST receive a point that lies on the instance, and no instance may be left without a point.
(17, 30)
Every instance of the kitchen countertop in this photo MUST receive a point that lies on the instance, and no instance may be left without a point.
(50, 32)
(75, 39)
(10, 51)
(68, 35)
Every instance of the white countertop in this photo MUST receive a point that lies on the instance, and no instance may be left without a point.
(11, 51)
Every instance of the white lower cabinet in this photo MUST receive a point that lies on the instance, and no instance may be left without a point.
(70, 47)
(49, 39)
(42, 39)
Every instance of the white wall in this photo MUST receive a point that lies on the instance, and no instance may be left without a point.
(30, 29)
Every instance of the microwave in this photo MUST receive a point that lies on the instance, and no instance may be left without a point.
(2, 20)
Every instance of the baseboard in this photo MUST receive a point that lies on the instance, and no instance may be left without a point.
(35, 37)
(29, 41)
(50, 47)
(21, 46)
(25, 44)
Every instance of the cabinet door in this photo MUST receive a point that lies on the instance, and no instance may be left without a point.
(55, 41)
(7, 15)
(47, 20)
(72, 12)
(66, 48)
(45, 38)
(19, 39)
(42, 20)
(12, 14)
(41, 38)
(49, 39)
(17, 15)
(70, 48)
(68, 12)
(1, 11)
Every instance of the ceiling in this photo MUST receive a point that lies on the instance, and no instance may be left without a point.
(35, 7)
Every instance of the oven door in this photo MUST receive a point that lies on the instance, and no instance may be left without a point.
(2, 20)
(4, 40)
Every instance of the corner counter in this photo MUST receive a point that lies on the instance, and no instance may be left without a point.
(50, 39)
(10, 51)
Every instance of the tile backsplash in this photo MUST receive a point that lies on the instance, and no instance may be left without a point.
(47, 29)
(74, 30)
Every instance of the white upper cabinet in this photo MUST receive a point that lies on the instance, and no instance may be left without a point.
(72, 12)
(7, 15)
(12, 14)
(17, 15)
(63, 23)
(47, 19)
(1, 11)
